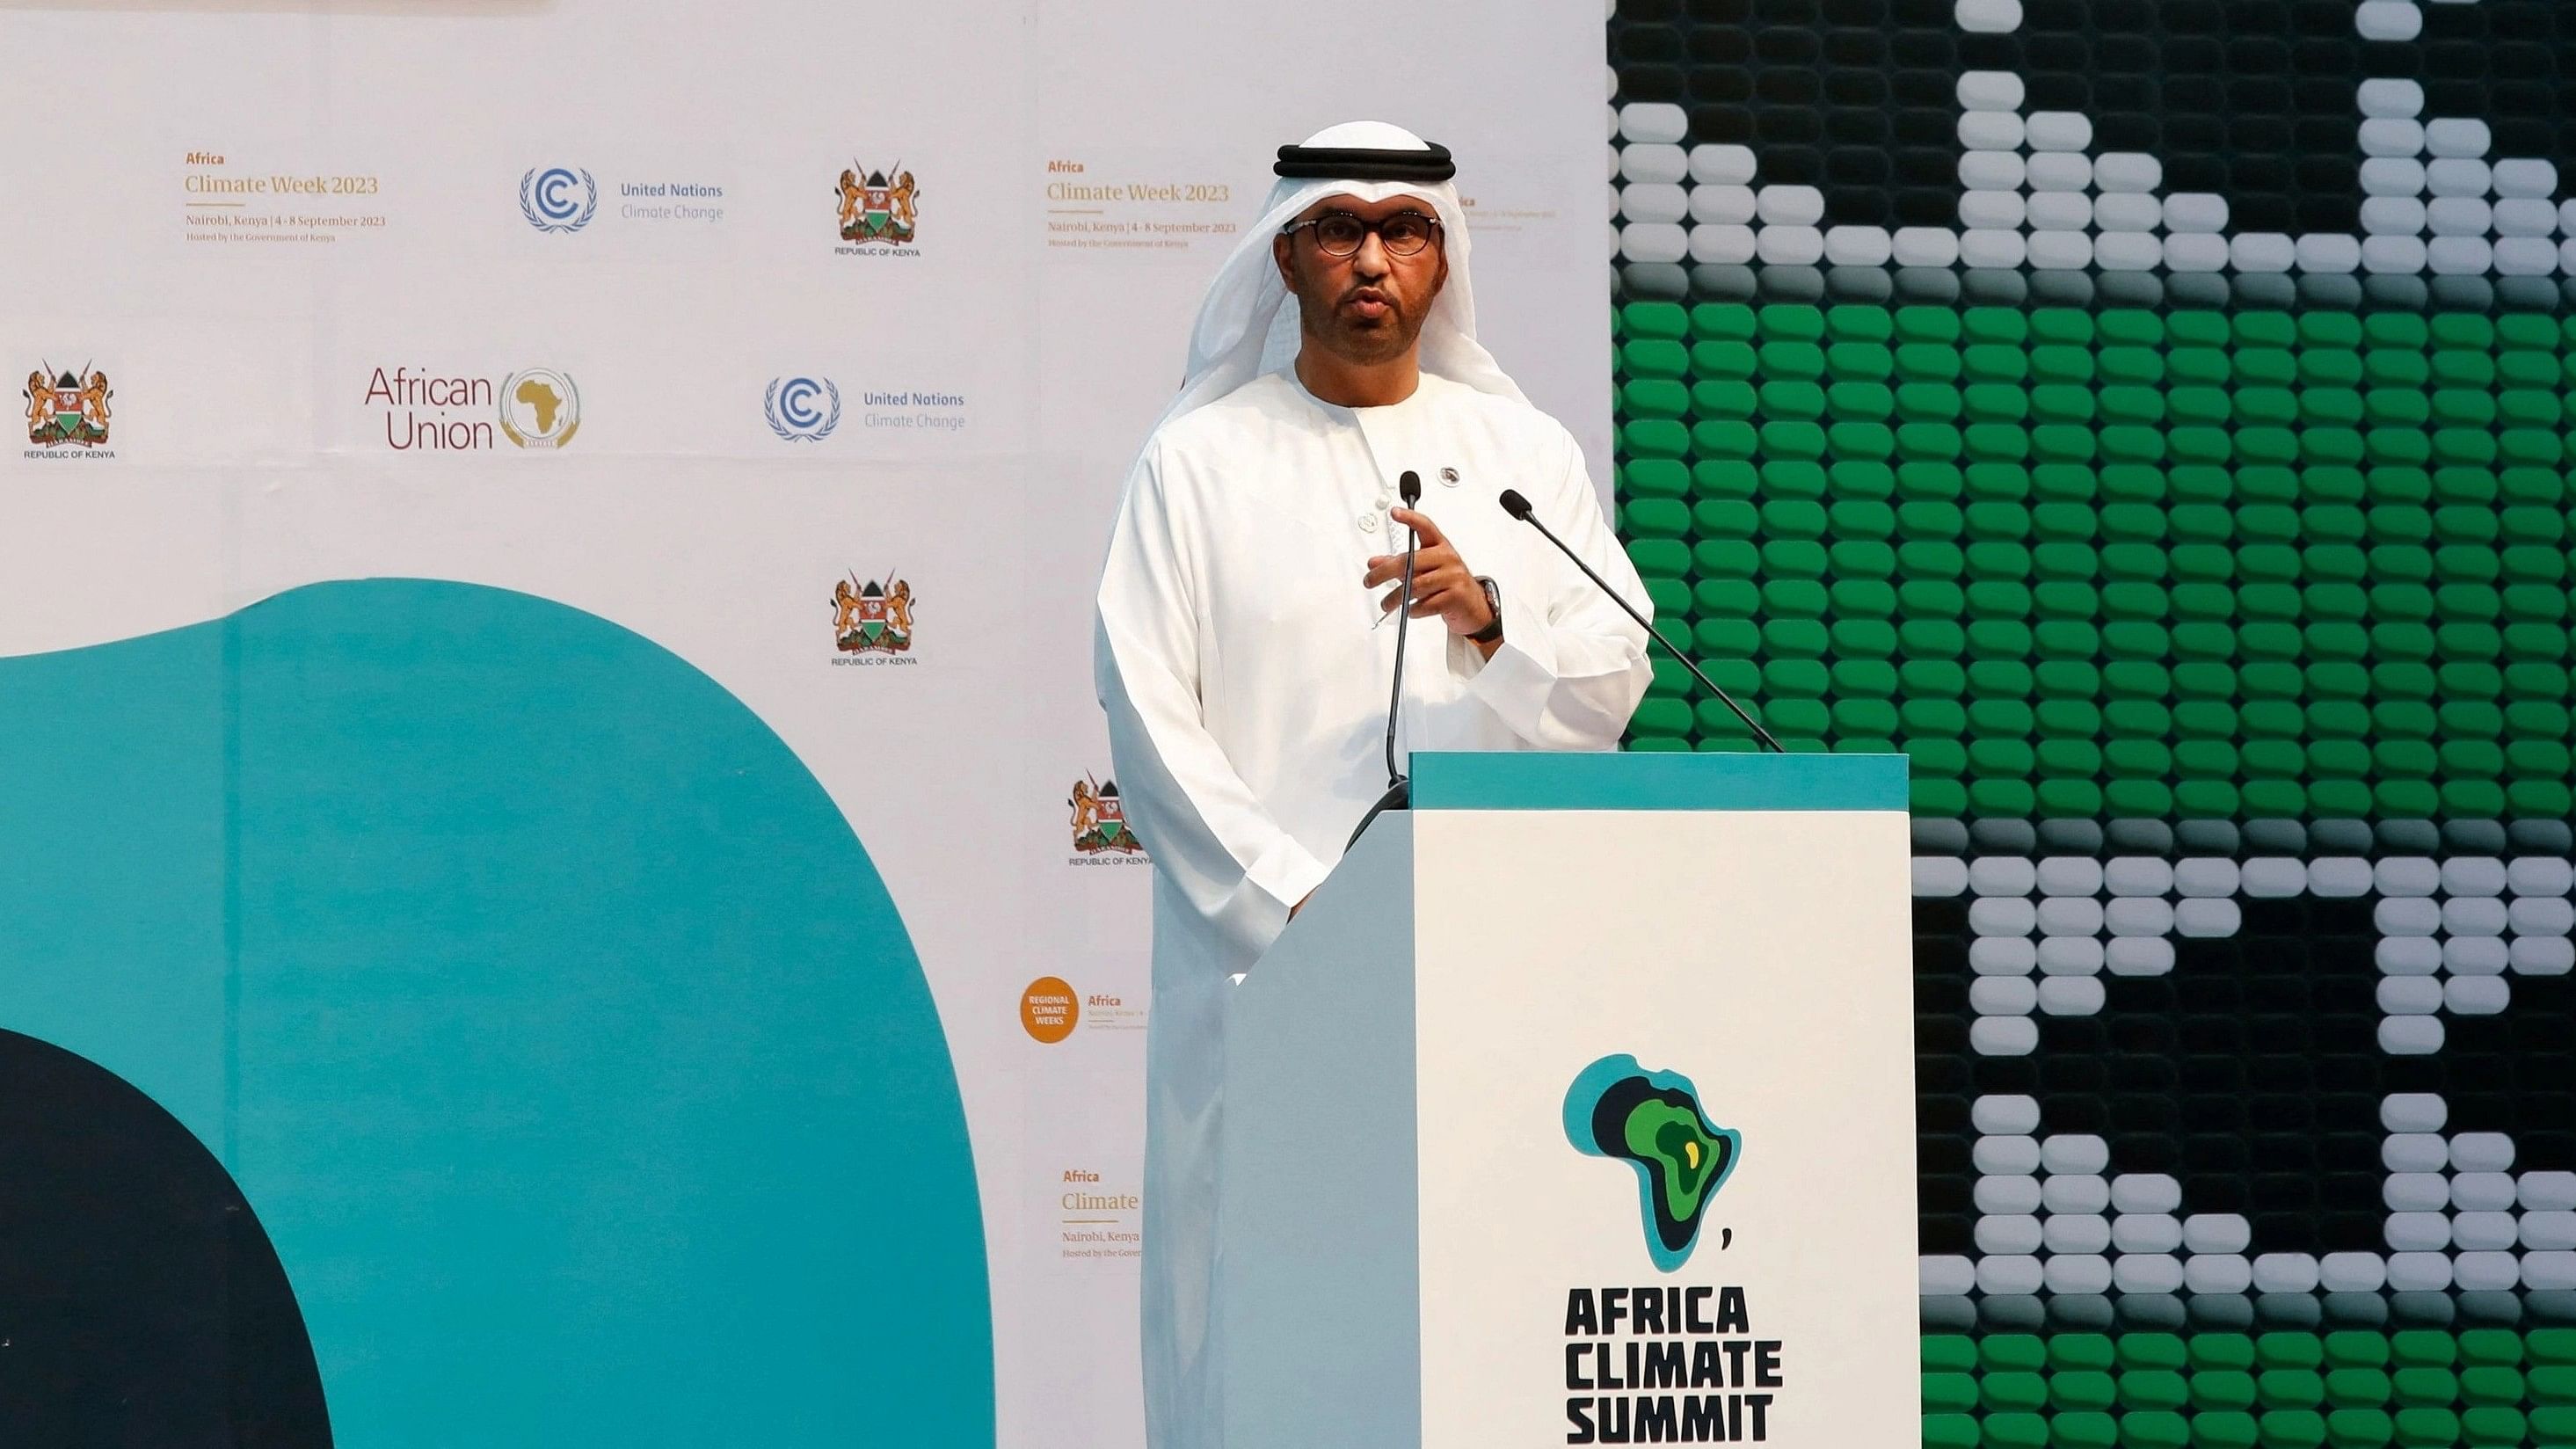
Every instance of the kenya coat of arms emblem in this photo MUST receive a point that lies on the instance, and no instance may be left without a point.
(1099, 821)
(875, 209)
(871, 618)
(64, 410)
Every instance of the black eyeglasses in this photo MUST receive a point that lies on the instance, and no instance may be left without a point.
(1340, 234)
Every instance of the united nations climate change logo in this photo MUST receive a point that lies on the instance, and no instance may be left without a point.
(540, 408)
(554, 198)
(802, 409)
(67, 408)
(875, 209)
(1653, 1121)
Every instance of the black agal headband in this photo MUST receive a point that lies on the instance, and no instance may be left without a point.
(1360, 163)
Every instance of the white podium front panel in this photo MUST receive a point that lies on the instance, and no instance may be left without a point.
(1577, 1108)
(1752, 965)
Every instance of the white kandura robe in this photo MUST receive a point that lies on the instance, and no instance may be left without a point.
(1246, 692)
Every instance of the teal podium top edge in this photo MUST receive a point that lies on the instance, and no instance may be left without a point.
(1534, 780)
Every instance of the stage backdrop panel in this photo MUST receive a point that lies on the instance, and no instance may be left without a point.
(545, 713)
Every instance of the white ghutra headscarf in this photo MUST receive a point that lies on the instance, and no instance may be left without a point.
(1248, 326)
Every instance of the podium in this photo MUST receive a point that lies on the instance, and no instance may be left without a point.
(1577, 1106)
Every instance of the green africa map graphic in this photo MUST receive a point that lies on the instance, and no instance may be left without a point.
(1654, 1121)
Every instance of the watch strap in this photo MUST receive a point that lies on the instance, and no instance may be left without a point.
(1493, 632)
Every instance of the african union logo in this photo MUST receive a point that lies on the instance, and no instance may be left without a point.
(556, 199)
(869, 617)
(876, 210)
(66, 410)
(539, 408)
(797, 408)
(1617, 1108)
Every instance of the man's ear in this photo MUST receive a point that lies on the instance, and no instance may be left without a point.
(1281, 251)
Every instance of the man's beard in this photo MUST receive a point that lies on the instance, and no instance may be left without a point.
(1348, 337)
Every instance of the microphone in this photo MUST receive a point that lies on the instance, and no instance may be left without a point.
(1410, 486)
(1519, 507)
(1399, 791)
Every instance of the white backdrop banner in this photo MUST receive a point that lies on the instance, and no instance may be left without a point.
(424, 400)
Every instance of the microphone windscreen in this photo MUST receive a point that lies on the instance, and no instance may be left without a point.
(1514, 504)
(1410, 485)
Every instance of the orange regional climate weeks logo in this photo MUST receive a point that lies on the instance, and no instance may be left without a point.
(1049, 1010)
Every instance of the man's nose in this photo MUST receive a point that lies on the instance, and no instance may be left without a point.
(1371, 259)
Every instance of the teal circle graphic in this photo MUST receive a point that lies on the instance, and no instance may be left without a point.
(541, 1003)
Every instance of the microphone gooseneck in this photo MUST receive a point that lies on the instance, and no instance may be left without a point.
(1519, 508)
(1409, 485)
(1399, 790)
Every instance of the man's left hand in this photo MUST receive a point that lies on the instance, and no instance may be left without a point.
(1442, 582)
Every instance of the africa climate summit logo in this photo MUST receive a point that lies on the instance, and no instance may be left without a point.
(1654, 1121)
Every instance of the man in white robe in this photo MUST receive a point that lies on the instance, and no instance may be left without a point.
(1244, 647)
